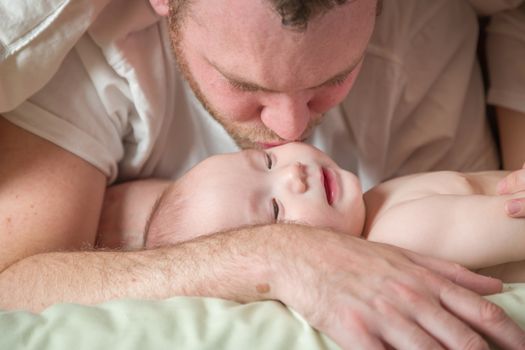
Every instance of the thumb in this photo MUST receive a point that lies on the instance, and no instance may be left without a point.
(515, 208)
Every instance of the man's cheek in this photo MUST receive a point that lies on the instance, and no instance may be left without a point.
(237, 108)
(330, 97)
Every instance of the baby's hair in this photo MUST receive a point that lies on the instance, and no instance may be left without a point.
(166, 215)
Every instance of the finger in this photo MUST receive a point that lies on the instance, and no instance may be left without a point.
(458, 274)
(361, 341)
(400, 333)
(431, 316)
(515, 208)
(353, 333)
(512, 183)
(484, 316)
(440, 323)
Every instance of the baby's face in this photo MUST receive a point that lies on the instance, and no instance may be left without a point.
(290, 183)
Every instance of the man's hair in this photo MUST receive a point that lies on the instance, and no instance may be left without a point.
(294, 13)
(297, 13)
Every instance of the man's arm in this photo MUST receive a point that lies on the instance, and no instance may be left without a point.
(514, 183)
(360, 293)
(511, 124)
(336, 282)
(50, 203)
(49, 199)
(505, 52)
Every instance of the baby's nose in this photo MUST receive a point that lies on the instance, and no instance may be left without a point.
(298, 176)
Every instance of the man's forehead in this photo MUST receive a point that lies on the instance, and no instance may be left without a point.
(249, 39)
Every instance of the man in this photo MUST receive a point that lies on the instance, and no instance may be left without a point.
(267, 71)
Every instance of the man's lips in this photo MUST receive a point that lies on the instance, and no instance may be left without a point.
(271, 144)
(266, 145)
(330, 185)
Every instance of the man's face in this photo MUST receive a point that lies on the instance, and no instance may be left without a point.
(265, 83)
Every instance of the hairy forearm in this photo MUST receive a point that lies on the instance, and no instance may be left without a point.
(335, 281)
(229, 265)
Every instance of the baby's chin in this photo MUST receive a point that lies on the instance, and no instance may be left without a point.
(355, 217)
(357, 230)
(353, 228)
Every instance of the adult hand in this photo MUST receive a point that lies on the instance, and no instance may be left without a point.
(367, 295)
(513, 183)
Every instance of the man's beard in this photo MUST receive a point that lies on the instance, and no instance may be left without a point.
(246, 135)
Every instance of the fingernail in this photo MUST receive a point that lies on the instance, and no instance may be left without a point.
(502, 186)
(513, 207)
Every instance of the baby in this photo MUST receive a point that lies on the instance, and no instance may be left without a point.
(452, 216)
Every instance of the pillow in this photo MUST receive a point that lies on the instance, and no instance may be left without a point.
(175, 323)
(182, 323)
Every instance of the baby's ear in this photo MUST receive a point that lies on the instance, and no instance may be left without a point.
(160, 6)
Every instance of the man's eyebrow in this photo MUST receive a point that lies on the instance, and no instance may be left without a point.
(233, 78)
(340, 75)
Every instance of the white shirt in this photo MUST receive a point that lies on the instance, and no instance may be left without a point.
(506, 59)
(116, 99)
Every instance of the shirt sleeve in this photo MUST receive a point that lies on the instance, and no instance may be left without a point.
(506, 57)
(418, 103)
(70, 112)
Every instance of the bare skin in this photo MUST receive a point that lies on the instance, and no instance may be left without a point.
(363, 295)
(447, 215)
(245, 259)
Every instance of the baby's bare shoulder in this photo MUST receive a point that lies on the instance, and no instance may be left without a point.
(445, 183)
(437, 182)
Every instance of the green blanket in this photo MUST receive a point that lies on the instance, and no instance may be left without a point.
(181, 323)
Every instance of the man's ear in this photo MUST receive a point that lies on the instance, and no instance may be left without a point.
(160, 6)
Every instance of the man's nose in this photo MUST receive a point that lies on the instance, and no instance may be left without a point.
(296, 178)
(287, 115)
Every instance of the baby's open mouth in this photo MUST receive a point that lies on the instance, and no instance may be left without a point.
(327, 182)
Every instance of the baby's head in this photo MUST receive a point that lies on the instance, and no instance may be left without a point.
(294, 183)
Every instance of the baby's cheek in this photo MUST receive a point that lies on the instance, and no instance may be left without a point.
(323, 218)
